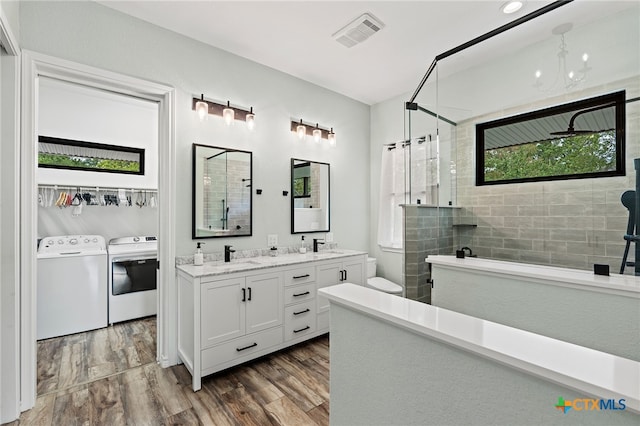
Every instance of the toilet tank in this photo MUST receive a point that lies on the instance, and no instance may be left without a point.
(371, 267)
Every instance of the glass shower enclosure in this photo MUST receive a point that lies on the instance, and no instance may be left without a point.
(573, 51)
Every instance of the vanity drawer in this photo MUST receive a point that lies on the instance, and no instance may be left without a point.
(299, 320)
(241, 347)
(300, 275)
(299, 293)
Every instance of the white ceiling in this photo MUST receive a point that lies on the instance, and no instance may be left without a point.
(295, 37)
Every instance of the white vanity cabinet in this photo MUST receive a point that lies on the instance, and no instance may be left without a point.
(332, 272)
(300, 303)
(247, 304)
(231, 313)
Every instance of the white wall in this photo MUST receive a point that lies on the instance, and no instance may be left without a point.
(89, 33)
(70, 111)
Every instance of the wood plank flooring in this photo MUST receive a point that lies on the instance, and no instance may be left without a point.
(110, 377)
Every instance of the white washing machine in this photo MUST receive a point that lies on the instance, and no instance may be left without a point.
(72, 285)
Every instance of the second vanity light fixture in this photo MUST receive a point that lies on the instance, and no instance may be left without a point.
(318, 133)
(227, 112)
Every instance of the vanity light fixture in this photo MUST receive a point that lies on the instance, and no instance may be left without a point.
(202, 108)
(250, 119)
(317, 134)
(331, 137)
(303, 129)
(227, 112)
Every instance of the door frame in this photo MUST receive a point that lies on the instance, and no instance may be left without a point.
(35, 65)
(10, 214)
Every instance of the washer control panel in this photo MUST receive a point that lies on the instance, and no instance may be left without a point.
(57, 244)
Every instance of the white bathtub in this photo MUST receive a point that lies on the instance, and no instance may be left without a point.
(599, 312)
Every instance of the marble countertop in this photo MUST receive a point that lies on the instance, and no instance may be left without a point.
(263, 262)
(585, 370)
(627, 285)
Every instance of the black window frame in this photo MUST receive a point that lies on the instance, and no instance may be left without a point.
(617, 99)
(94, 145)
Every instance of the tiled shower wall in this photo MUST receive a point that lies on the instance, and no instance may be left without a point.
(427, 230)
(571, 223)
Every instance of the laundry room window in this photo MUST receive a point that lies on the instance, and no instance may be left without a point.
(70, 154)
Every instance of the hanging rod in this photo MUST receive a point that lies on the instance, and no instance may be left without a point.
(95, 188)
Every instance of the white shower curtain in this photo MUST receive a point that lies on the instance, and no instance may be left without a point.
(398, 186)
(392, 194)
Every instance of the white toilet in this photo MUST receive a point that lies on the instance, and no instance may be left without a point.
(379, 283)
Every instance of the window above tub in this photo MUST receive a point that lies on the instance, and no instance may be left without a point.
(582, 139)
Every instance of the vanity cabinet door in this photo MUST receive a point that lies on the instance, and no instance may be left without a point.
(264, 301)
(354, 271)
(222, 311)
(327, 274)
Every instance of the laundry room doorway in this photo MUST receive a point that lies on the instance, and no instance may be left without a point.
(68, 114)
(97, 178)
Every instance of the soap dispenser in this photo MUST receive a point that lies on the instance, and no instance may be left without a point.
(198, 258)
(303, 249)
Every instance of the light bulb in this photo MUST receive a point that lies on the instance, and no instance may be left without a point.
(585, 57)
(251, 119)
(538, 73)
(571, 74)
(332, 138)
(317, 134)
(301, 130)
(228, 114)
(202, 108)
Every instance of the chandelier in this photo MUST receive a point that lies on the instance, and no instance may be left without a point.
(565, 76)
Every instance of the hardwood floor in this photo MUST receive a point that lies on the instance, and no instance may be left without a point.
(110, 377)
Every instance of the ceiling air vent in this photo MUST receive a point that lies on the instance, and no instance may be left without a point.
(358, 30)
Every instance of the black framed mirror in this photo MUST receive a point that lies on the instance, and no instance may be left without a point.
(221, 199)
(310, 206)
(582, 139)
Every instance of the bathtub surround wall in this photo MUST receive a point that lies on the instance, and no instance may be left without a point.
(578, 309)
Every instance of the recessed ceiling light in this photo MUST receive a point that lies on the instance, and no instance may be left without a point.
(511, 7)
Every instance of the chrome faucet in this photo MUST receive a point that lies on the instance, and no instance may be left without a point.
(227, 253)
(315, 244)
